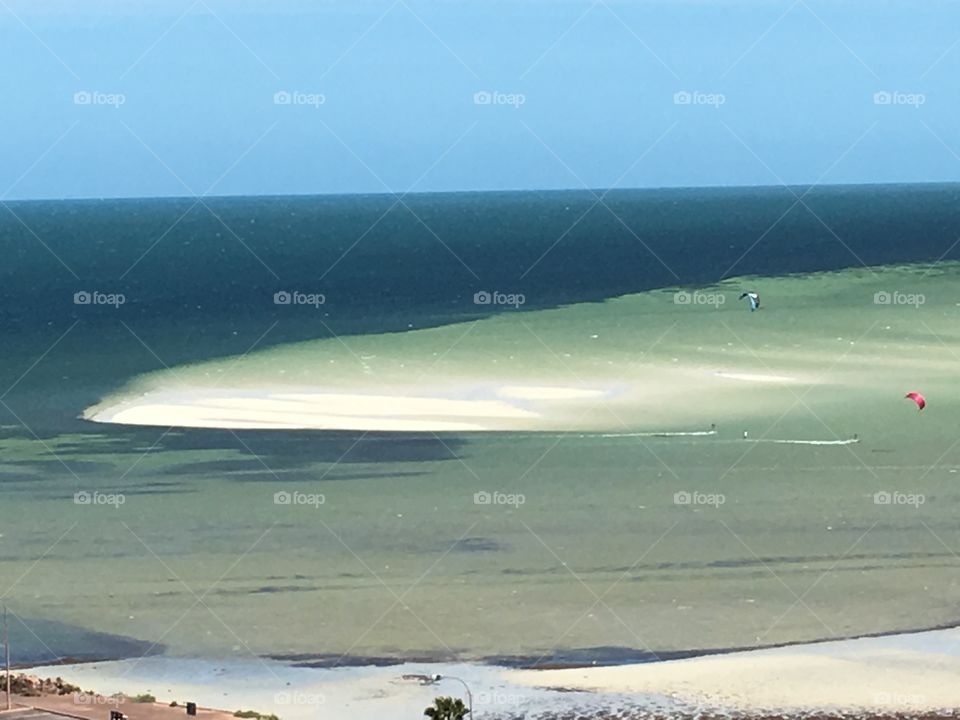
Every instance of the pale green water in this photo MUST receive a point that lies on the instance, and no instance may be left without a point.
(399, 559)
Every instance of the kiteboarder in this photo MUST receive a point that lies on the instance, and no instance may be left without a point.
(754, 299)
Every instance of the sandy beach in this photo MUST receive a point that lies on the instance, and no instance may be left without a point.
(289, 408)
(898, 673)
(910, 675)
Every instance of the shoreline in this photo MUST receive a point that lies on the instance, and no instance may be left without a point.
(873, 677)
(910, 672)
(570, 659)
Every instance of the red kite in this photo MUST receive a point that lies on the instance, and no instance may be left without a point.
(918, 399)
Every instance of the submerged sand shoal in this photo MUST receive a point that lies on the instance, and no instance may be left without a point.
(635, 362)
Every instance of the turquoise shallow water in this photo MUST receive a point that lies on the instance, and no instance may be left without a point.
(600, 560)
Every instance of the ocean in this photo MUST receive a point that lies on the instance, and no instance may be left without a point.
(608, 538)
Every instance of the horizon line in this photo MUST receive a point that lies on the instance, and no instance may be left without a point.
(592, 191)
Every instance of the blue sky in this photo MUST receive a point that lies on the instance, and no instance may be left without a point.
(181, 98)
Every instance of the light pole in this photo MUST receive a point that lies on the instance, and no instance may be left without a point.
(6, 653)
(433, 679)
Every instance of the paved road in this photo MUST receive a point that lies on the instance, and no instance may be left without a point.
(60, 707)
